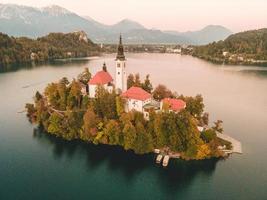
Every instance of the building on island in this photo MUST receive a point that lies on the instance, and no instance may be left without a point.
(104, 79)
(135, 97)
(173, 105)
(101, 78)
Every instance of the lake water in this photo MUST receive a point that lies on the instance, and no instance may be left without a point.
(34, 165)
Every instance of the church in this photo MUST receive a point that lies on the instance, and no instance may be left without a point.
(104, 79)
(136, 98)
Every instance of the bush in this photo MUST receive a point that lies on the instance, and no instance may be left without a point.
(208, 135)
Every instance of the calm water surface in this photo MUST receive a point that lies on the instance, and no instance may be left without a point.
(37, 166)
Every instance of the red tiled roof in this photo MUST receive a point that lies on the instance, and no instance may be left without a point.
(175, 104)
(136, 93)
(101, 78)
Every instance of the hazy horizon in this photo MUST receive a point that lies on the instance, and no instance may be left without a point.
(190, 15)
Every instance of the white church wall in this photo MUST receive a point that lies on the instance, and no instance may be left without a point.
(92, 89)
(121, 76)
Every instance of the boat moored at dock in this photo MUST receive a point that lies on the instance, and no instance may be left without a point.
(165, 161)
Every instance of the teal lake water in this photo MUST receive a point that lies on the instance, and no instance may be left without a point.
(34, 165)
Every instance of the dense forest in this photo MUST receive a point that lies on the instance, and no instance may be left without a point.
(63, 111)
(248, 47)
(50, 47)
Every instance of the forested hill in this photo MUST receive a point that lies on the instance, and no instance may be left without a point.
(248, 47)
(50, 47)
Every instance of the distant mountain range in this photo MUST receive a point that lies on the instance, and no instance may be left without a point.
(17, 20)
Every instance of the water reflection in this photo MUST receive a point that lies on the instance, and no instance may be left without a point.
(259, 73)
(178, 175)
(32, 65)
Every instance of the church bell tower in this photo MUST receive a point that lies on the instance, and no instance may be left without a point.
(121, 77)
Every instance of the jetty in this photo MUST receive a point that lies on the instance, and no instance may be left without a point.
(236, 145)
(165, 154)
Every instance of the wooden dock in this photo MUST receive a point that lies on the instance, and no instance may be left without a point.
(237, 147)
(164, 156)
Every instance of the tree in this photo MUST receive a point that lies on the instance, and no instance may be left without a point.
(75, 94)
(64, 81)
(119, 105)
(147, 86)
(218, 126)
(112, 130)
(195, 105)
(90, 122)
(203, 151)
(205, 119)
(55, 124)
(130, 81)
(187, 130)
(105, 103)
(143, 142)
(63, 94)
(161, 92)
(129, 133)
(208, 135)
(137, 81)
(85, 76)
(31, 111)
(85, 102)
(160, 137)
(38, 96)
(52, 95)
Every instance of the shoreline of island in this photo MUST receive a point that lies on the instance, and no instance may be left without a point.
(128, 112)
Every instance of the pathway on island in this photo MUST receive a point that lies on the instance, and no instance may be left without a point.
(62, 112)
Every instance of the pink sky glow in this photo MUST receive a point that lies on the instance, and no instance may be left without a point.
(180, 15)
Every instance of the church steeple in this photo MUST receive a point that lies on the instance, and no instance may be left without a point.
(120, 52)
(121, 77)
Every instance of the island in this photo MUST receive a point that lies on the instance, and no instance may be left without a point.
(128, 112)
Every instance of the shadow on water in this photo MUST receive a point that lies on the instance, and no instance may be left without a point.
(176, 176)
(32, 65)
(259, 73)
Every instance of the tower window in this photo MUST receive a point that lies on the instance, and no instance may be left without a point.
(118, 65)
(119, 73)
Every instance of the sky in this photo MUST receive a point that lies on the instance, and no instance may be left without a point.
(179, 15)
